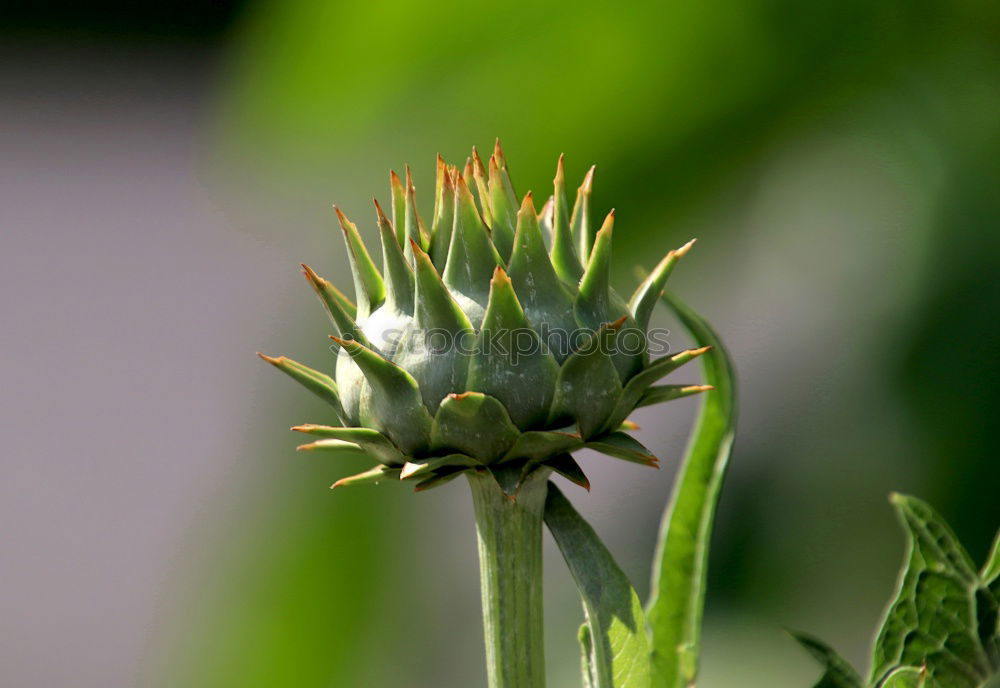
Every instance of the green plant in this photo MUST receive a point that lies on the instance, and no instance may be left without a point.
(492, 345)
(942, 630)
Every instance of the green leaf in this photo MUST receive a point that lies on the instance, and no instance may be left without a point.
(680, 566)
(587, 657)
(934, 620)
(475, 424)
(908, 677)
(618, 647)
(838, 674)
(991, 570)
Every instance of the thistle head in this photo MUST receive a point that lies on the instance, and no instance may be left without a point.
(490, 338)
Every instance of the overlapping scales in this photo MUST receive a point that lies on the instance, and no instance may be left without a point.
(491, 339)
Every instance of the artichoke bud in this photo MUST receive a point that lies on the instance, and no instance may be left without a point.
(492, 341)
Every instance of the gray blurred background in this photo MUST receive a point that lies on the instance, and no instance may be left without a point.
(163, 170)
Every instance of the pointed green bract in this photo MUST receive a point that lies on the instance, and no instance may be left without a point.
(504, 207)
(435, 307)
(648, 293)
(413, 226)
(374, 443)
(372, 476)
(593, 303)
(636, 388)
(622, 446)
(566, 466)
(444, 216)
(510, 363)
(580, 221)
(597, 304)
(479, 176)
(398, 275)
(664, 393)
(341, 448)
(316, 382)
(536, 445)
(475, 424)
(398, 207)
(328, 296)
(368, 286)
(391, 402)
(564, 257)
(544, 297)
(337, 296)
(588, 388)
(471, 256)
(433, 352)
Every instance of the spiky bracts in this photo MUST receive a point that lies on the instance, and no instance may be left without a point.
(491, 339)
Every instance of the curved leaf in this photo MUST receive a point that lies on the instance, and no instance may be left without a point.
(934, 620)
(617, 642)
(680, 566)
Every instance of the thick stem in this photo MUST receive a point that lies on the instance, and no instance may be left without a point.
(510, 567)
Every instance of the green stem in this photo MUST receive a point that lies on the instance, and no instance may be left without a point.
(510, 566)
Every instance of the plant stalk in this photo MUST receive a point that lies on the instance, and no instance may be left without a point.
(510, 566)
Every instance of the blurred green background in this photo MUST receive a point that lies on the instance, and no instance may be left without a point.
(839, 163)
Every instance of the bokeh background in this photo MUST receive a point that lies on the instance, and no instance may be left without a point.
(165, 166)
